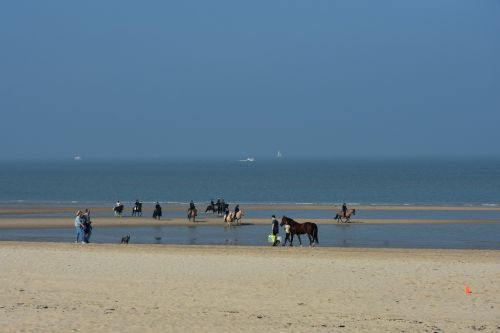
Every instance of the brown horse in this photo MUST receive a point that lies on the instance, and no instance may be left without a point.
(192, 213)
(296, 228)
(347, 218)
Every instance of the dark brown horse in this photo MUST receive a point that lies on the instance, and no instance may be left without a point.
(296, 228)
(340, 217)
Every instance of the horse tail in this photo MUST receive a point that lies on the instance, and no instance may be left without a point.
(315, 234)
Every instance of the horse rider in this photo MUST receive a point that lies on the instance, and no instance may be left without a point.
(344, 209)
(219, 207)
(157, 212)
(192, 208)
(236, 210)
(223, 204)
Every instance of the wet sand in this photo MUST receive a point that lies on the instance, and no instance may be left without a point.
(32, 216)
(15, 223)
(158, 288)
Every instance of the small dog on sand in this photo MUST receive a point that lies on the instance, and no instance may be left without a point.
(125, 239)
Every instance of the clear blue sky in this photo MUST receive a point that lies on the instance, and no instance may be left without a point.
(123, 79)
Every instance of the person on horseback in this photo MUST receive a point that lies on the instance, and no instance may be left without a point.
(192, 206)
(157, 212)
(236, 210)
(344, 209)
(223, 206)
(219, 207)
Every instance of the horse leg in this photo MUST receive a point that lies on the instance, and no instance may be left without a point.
(300, 241)
(310, 239)
(291, 238)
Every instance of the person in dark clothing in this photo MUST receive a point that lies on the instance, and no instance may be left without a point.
(223, 206)
(344, 209)
(236, 209)
(219, 207)
(157, 212)
(86, 226)
(275, 230)
(191, 205)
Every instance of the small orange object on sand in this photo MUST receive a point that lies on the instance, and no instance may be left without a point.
(467, 290)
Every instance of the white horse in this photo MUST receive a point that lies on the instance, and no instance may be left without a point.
(231, 217)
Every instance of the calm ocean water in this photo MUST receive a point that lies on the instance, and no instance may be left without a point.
(356, 181)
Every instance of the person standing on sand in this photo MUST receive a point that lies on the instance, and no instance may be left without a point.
(79, 227)
(86, 226)
(275, 230)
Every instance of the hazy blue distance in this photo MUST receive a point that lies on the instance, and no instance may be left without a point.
(231, 79)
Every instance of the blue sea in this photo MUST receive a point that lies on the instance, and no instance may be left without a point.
(431, 182)
(467, 182)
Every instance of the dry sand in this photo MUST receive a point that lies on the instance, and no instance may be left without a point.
(48, 287)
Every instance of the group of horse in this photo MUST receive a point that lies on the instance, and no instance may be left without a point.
(218, 208)
(296, 228)
(230, 217)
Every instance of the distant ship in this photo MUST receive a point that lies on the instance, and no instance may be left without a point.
(248, 159)
(279, 155)
(77, 158)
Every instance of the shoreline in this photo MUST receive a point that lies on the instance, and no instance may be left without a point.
(19, 209)
(24, 208)
(27, 216)
(67, 222)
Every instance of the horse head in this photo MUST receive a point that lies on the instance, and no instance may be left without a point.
(285, 220)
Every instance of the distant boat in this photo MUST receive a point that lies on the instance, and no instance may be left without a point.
(248, 159)
(77, 158)
(279, 155)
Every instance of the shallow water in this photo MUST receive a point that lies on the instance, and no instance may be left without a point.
(303, 214)
(446, 236)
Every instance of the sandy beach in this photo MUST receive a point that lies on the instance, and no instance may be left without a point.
(148, 288)
(61, 287)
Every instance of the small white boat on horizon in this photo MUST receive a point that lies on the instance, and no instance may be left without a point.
(248, 159)
(77, 158)
(279, 154)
